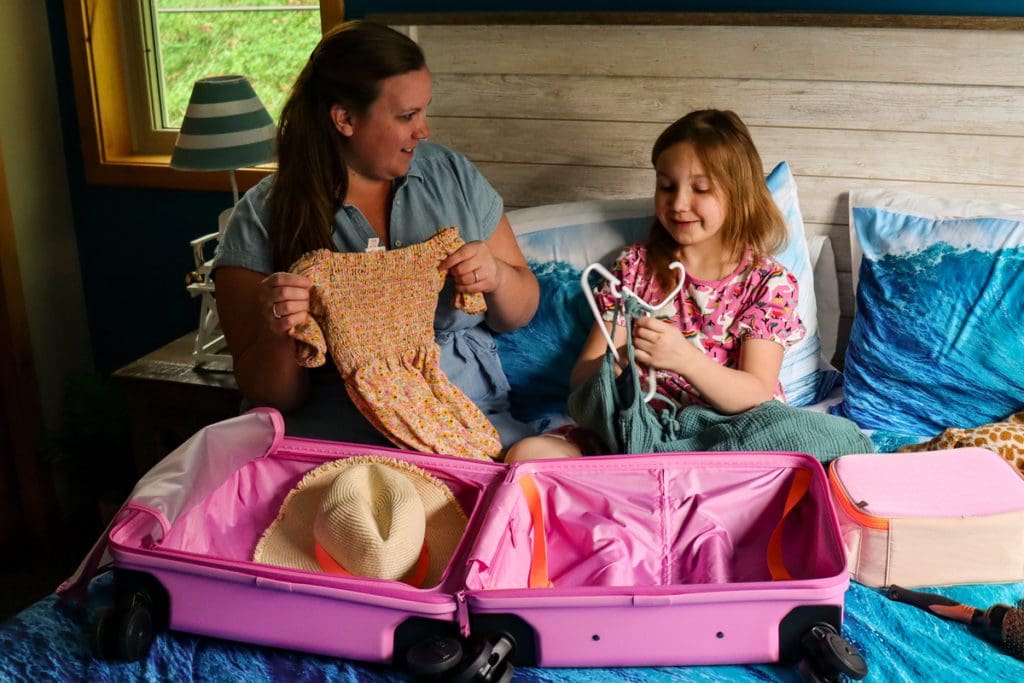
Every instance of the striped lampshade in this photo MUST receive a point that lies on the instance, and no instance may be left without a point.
(225, 127)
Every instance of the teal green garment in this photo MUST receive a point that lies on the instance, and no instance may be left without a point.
(613, 408)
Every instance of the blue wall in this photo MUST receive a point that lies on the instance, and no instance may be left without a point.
(133, 243)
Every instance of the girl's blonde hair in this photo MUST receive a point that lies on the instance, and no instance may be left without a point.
(723, 144)
(345, 68)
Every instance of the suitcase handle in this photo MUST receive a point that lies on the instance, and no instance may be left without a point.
(797, 490)
(539, 560)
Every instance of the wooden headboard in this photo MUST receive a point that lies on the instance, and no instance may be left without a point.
(556, 112)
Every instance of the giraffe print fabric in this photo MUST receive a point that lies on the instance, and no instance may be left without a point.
(1005, 437)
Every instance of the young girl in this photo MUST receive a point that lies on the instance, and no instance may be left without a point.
(719, 342)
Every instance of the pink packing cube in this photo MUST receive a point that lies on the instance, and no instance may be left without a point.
(670, 559)
(930, 518)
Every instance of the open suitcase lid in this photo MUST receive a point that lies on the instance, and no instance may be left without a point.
(187, 474)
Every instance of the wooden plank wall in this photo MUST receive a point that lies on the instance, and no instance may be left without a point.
(554, 113)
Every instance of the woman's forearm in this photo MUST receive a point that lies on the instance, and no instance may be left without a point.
(256, 312)
(268, 374)
(515, 300)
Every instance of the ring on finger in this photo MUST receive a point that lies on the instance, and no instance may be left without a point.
(273, 309)
(476, 278)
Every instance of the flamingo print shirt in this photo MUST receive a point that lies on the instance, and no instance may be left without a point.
(758, 300)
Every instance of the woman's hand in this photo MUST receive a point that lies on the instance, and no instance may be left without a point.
(473, 268)
(498, 270)
(283, 301)
(662, 346)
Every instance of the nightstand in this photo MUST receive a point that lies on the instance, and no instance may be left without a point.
(170, 398)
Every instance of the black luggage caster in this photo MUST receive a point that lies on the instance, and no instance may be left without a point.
(432, 658)
(828, 656)
(125, 632)
(141, 609)
(449, 659)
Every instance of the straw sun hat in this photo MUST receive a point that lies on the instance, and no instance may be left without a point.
(366, 516)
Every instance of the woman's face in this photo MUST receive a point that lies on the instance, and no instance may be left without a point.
(686, 201)
(381, 141)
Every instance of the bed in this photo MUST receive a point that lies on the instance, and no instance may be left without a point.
(867, 126)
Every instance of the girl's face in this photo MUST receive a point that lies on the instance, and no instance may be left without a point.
(381, 142)
(687, 203)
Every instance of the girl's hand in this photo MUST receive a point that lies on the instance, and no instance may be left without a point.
(284, 301)
(662, 346)
(473, 268)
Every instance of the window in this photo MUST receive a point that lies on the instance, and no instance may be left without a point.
(134, 62)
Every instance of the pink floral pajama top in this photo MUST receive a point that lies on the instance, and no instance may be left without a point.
(758, 300)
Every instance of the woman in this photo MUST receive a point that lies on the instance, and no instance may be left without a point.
(354, 171)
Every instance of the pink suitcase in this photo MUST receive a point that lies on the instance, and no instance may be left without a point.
(671, 559)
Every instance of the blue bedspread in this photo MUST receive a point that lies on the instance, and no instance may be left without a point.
(49, 642)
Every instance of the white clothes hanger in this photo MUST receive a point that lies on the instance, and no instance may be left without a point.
(652, 382)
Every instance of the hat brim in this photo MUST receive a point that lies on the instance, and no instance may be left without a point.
(288, 541)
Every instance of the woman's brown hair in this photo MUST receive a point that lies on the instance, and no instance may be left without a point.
(726, 150)
(346, 68)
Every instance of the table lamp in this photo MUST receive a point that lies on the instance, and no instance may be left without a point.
(226, 127)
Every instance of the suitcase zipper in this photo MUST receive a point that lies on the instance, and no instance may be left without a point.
(851, 509)
(462, 613)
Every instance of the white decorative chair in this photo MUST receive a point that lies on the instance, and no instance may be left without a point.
(210, 345)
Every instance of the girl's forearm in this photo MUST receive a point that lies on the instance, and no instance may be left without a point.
(727, 390)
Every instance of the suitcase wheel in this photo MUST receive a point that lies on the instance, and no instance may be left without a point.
(502, 674)
(828, 656)
(486, 660)
(449, 659)
(433, 657)
(809, 673)
(124, 633)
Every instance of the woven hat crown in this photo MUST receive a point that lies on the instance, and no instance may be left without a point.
(368, 516)
(371, 521)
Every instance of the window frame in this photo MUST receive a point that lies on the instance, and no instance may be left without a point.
(99, 77)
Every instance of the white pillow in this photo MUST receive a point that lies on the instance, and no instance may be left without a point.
(826, 291)
(581, 233)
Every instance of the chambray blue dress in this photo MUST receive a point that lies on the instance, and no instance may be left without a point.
(442, 188)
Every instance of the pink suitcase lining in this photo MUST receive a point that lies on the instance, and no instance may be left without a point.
(686, 538)
(655, 521)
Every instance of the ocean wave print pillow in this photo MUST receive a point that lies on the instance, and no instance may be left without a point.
(937, 338)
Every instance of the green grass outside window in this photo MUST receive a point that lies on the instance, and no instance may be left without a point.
(267, 47)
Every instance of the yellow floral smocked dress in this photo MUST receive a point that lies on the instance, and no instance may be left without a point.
(374, 311)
